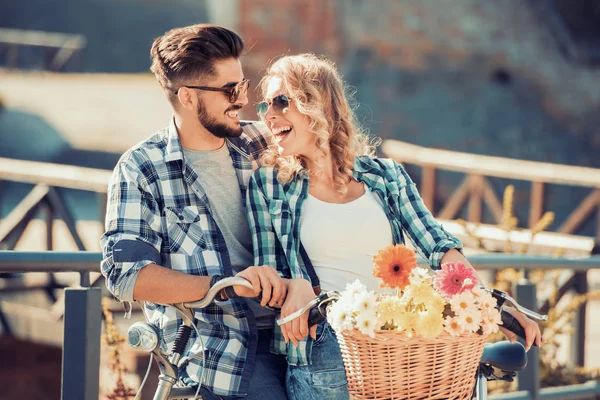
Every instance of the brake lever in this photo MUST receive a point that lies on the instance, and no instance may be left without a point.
(502, 298)
(317, 303)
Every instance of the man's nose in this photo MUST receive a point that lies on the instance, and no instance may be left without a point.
(242, 99)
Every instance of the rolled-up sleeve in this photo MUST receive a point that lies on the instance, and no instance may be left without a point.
(132, 239)
(426, 234)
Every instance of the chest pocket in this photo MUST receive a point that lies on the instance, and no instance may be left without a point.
(281, 218)
(184, 230)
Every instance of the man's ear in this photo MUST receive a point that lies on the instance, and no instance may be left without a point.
(186, 98)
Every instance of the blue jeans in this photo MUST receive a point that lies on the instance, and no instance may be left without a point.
(326, 377)
(268, 375)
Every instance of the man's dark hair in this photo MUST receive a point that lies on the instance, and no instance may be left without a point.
(190, 52)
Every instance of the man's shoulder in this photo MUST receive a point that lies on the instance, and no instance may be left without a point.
(256, 137)
(152, 149)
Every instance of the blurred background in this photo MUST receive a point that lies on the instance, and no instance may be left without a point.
(515, 79)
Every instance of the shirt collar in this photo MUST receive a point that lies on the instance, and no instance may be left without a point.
(174, 150)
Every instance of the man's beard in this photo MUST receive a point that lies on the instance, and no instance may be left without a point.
(218, 129)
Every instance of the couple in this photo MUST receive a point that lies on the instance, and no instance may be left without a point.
(188, 206)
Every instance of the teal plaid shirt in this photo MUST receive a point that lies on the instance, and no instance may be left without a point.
(274, 213)
(159, 213)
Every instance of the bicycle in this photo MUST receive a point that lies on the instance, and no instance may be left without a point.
(500, 361)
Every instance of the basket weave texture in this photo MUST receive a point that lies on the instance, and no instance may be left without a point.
(393, 366)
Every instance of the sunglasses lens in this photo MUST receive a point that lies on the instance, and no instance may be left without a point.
(262, 108)
(280, 103)
(240, 88)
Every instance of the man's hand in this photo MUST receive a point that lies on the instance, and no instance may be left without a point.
(532, 329)
(300, 292)
(266, 280)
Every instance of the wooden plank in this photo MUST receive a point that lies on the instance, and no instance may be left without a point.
(68, 176)
(49, 219)
(58, 204)
(581, 213)
(492, 166)
(536, 205)
(428, 187)
(492, 201)
(455, 201)
(495, 237)
(41, 38)
(23, 212)
(475, 198)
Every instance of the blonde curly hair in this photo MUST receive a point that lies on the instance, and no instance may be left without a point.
(319, 92)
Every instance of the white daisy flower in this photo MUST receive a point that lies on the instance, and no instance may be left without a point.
(355, 288)
(366, 323)
(469, 320)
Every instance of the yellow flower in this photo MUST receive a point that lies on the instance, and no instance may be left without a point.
(388, 309)
(435, 303)
(429, 324)
(420, 293)
(393, 265)
(406, 322)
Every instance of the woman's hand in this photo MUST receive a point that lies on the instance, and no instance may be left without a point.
(299, 293)
(265, 281)
(532, 329)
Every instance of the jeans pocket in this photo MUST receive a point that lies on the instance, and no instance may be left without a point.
(332, 378)
(323, 332)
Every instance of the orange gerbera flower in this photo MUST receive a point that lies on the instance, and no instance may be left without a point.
(393, 265)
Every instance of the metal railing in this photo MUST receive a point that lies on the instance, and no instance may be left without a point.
(63, 47)
(82, 324)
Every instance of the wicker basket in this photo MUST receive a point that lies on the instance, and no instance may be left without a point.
(393, 366)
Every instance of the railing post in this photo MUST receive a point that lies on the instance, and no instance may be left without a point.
(81, 345)
(579, 325)
(529, 378)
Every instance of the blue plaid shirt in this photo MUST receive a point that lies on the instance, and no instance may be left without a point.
(159, 213)
(274, 213)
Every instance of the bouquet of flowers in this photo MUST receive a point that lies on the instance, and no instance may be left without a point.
(423, 339)
(448, 302)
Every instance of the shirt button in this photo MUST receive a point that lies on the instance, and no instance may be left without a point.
(203, 246)
(252, 336)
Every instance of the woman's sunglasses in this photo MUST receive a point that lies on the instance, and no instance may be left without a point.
(233, 92)
(279, 104)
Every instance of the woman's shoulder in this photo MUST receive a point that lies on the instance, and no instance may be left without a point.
(377, 164)
(387, 168)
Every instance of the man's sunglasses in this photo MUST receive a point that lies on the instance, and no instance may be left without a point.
(279, 104)
(233, 92)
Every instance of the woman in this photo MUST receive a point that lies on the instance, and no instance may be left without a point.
(321, 202)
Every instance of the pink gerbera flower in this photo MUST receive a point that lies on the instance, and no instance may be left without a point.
(454, 278)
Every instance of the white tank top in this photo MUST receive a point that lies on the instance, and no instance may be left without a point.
(341, 239)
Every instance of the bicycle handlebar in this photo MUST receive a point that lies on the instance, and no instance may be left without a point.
(505, 298)
(216, 288)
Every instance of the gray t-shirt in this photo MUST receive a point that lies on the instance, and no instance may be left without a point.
(218, 178)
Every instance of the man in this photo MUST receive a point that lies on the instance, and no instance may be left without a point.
(176, 221)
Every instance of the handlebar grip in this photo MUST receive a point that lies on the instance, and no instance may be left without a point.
(509, 322)
(315, 317)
